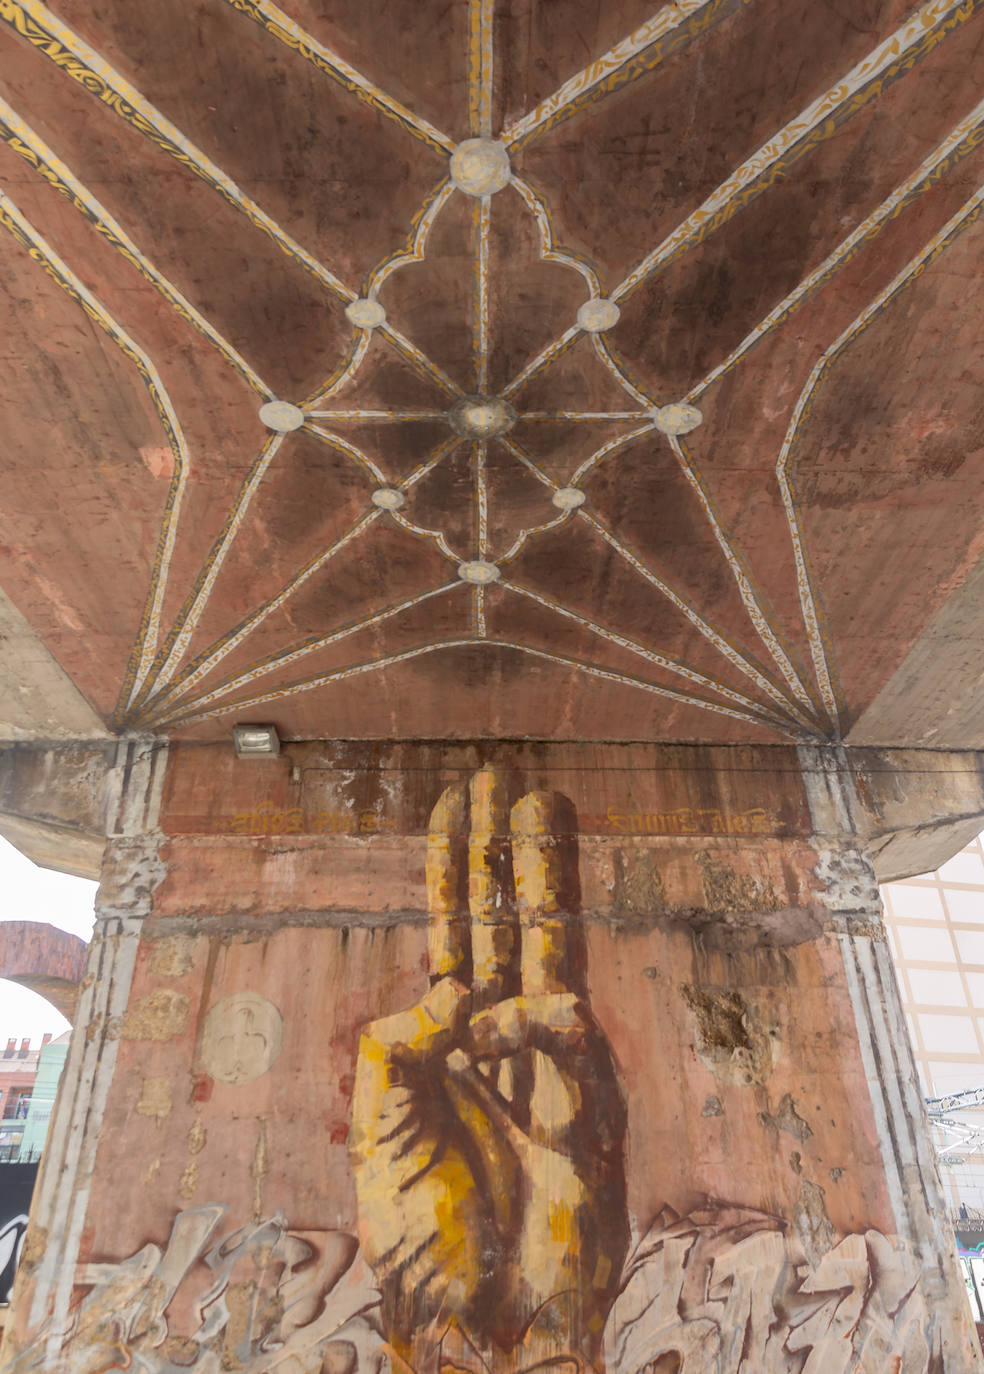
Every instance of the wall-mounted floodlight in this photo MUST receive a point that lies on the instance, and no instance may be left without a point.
(253, 741)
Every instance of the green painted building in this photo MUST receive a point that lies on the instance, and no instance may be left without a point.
(50, 1065)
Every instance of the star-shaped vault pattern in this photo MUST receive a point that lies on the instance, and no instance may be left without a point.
(516, 467)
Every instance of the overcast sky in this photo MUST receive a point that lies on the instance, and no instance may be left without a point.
(29, 893)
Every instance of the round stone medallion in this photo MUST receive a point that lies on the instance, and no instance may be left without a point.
(241, 1038)
(479, 572)
(365, 313)
(677, 418)
(568, 498)
(481, 417)
(480, 166)
(598, 315)
(387, 498)
(281, 416)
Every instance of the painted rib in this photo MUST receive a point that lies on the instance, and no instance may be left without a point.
(482, 227)
(530, 530)
(523, 457)
(584, 415)
(602, 453)
(203, 664)
(675, 25)
(892, 59)
(29, 145)
(480, 67)
(35, 22)
(416, 242)
(743, 579)
(435, 537)
(817, 122)
(519, 543)
(291, 655)
(321, 680)
(408, 655)
(179, 636)
(200, 666)
(42, 253)
(549, 251)
(685, 698)
(290, 33)
(967, 215)
(438, 456)
(965, 138)
(62, 46)
(543, 359)
(384, 416)
(620, 371)
(349, 365)
(720, 642)
(352, 451)
(479, 455)
(659, 660)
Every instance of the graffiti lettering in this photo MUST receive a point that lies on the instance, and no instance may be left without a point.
(265, 819)
(687, 820)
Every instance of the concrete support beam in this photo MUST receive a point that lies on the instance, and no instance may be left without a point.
(53, 803)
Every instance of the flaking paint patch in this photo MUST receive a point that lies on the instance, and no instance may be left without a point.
(737, 1045)
(159, 1016)
(132, 872)
(188, 1181)
(259, 1167)
(726, 890)
(813, 1226)
(786, 1118)
(156, 1099)
(638, 883)
(181, 1350)
(173, 956)
(848, 885)
(197, 1137)
(35, 1244)
(153, 1169)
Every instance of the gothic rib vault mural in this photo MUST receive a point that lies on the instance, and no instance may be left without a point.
(478, 455)
(488, 1143)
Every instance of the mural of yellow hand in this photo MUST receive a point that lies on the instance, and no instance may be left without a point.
(488, 1123)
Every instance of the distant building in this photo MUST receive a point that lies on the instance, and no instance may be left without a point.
(936, 931)
(18, 1074)
(42, 1100)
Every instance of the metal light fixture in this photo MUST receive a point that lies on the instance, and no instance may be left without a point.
(254, 741)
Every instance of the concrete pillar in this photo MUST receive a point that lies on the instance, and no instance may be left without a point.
(479, 1056)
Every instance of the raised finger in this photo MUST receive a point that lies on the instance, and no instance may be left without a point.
(448, 942)
(491, 891)
(547, 893)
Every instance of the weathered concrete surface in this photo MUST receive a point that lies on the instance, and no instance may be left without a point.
(913, 807)
(53, 803)
(259, 914)
(46, 960)
(38, 700)
(934, 697)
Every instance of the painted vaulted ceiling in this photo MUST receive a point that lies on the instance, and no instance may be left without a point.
(551, 368)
